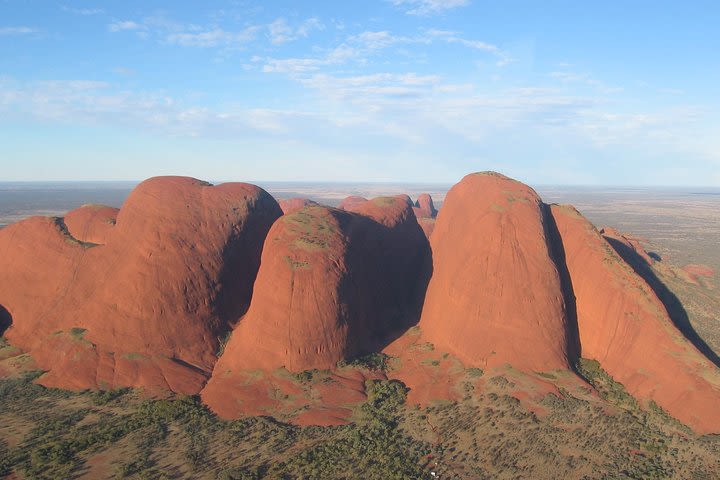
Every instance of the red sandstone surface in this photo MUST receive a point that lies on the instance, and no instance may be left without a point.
(91, 223)
(146, 308)
(141, 296)
(424, 207)
(332, 285)
(624, 326)
(495, 294)
(290, 205)
(350, 201)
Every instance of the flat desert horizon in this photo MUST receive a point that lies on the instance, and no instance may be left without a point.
(680, 224)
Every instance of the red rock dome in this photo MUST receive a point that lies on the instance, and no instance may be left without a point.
(624, 326)
(495, 295)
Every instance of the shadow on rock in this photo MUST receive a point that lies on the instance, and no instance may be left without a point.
(5, 319)
(674, 307)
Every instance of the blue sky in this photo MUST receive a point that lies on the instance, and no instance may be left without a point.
(550, 92)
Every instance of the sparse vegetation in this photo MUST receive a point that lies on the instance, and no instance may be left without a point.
(52, 434)
(77, 332)
(222, 342)
(371, 361)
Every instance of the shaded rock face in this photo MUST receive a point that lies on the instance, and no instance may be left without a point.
(5, 319)
(624, 326)
(495, 295)
(332, 285)
(646, 265)
(425, 212)
(424, 207)
(91, 223)
(290, 205)
(623, 242)
(146, 308)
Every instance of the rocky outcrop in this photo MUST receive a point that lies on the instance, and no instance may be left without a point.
(290, 205)
(333, 285)
(91, 223)
(146, 308)
(495, 295)
(625, 327)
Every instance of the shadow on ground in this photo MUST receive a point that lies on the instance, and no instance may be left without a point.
(672, 304)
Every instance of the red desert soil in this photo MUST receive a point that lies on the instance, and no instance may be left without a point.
(91, 223)
(696, 271)
(290, 205)
(147, 308)
(495, 295)
(624, 326)
(325, 398)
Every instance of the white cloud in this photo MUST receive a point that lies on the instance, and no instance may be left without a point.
(124, 71)
(211, 38)
(417, 114)
(16, 30)
(125, 26)
(293, 65)
(503, 58)
(309, 25)
(100, 103)
(583, 78)
(428, 7)
(83, 11)
(187, 35)
(281, 32)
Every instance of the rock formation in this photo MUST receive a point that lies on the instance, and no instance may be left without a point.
(624, 326)
(348, 202)
(142, 296)
(290, 205)
(38, 262)
(495, 295)
(332, 285)
(425, 212)
(424, 207)
(175, 274)
(91, 223)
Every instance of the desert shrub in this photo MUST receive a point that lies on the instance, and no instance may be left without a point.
(612, 391)
(474, 372)
(371, 361)
(103, 397)
(374, 448)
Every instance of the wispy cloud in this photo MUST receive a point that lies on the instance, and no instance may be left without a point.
(17, 30)
(585, 79)
(125, 25)
(83, 11)
(428, 7)
(450, 36)
(281, 32)
(101, 103)
(168, 31)
(212, 38)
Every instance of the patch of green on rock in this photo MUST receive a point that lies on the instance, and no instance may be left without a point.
(296, 264)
